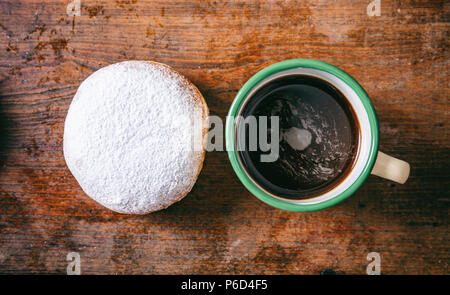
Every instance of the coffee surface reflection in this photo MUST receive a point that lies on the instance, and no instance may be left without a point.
(318, 137)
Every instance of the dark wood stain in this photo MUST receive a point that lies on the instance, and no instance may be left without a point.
(95, 10)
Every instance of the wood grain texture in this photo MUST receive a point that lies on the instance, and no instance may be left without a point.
(401, 58)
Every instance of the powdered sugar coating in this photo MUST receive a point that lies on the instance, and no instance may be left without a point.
(130, 136)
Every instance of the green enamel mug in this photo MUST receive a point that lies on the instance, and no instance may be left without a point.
(369, 160)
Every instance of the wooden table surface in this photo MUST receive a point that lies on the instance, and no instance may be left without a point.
(401, 58)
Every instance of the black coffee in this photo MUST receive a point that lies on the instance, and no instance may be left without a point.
(319, 137)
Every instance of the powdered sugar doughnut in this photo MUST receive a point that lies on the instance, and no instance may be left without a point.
(135, 135)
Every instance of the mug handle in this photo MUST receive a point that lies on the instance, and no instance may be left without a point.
(391, 168)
